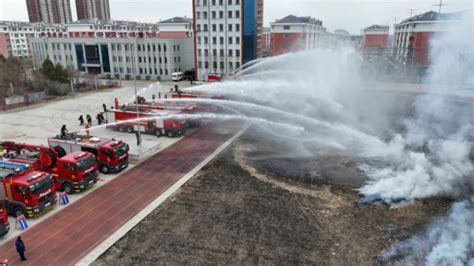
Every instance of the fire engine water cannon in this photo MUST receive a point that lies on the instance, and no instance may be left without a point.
(195, 94)
(40, 157)
(157, 122)
(73, 172)
(111, 155)
(25, 191)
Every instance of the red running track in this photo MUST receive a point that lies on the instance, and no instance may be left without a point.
(69, 235)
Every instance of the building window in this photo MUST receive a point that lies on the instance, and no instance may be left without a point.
(286, 27)
(229, 14)
(204, 14)
(206, 65)
(221, 52)
(206, 40)
(221, 40)
(230, 40)
(198, 27)
(214, 28)
(141, 70)
(214, 64)
(230, 27)
(214, 52)
(200, 64)
(204, 2)
(237, 53)
(237, 14)
(230, 53)
(213, 14)
(221, 2)
(221, 14)
(139, 59)
(237, 40)
(214, 40)
(221, 27)
(231, 66)
(206, 52)
(229, 2)
(199, 40)
(205, 27)
(213, 2)
(199, 52)
(198, 15)
(237, 27)
(237, 64)
(237, 2)
(139, 48)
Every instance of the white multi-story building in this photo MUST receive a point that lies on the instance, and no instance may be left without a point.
(228, 34)
(14, 36)
(117, 49)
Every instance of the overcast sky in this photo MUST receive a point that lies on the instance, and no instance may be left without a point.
(351, 15)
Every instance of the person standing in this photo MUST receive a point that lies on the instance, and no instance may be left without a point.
(81, 120)
(64, 132)
(105, 107)
(89, 119)
(99, 121)
(20, 248)
(116, 102)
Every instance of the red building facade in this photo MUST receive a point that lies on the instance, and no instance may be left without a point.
(292, 34)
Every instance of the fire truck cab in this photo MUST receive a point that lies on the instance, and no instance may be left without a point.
(25, 191)
(111, 155)
(75, 172)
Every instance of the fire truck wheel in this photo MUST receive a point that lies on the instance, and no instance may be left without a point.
(158, 132)
(18, 210)
(104, 169)
(121, 129)
(60, 150)
(67, 187)
(170, 134)
(130, 129)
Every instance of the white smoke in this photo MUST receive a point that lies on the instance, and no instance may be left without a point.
(430, 154)
(448, 241)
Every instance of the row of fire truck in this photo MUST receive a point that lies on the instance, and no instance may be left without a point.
(31, 174)
(161, 118)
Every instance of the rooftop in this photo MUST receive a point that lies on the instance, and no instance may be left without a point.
(176, 20)
(295, 19)
(432, 16)
(378, 27)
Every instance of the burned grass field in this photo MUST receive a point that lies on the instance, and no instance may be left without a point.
(253, 205)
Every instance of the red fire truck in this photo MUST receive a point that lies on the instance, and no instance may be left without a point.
(150, 121)
(178, 107)
(72, 172)
(4, 225)
(195, 94)
(111, 154)
(26, 191)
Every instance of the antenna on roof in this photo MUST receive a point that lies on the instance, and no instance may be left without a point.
(440, 5)
(411, 10)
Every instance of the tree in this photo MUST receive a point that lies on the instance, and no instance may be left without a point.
(54, 72)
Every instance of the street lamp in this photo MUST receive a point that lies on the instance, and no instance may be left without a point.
(139, 139)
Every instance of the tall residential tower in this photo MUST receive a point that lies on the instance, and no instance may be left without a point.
(228, 34)
(93, 9)
(49, 11)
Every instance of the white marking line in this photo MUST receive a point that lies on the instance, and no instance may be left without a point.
(96, 252)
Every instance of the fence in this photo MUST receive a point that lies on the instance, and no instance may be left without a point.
(11, 102)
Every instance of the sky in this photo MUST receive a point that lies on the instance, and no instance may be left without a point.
(351, 15)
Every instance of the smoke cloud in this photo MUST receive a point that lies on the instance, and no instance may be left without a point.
(413, 149)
